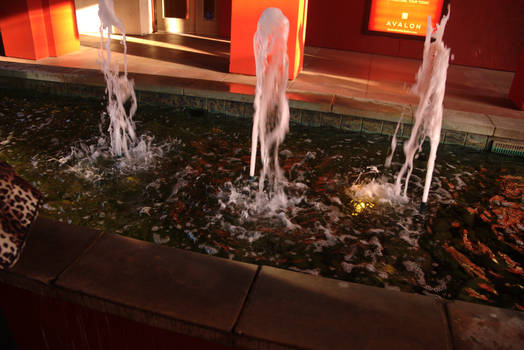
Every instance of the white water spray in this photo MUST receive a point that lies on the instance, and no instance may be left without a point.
(130, 152)
(430, 87)
(119, 88)
(271, 117)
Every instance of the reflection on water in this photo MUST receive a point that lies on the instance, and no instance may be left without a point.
(198, 196)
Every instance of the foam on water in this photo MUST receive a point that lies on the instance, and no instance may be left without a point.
(415, 268)
(251, 207)
(94, 160)
(377, 190)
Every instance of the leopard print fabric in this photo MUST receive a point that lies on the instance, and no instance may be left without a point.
(19, 203)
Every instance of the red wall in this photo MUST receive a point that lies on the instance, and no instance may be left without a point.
(224, 17)
(516, 92)
(480, 33)
(40, 323)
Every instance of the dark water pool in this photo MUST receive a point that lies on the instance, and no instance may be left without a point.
(197, 195)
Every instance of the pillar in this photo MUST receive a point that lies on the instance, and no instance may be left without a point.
(516, 92)
(35, 29)
(23, 29)
(244, 18)
(62, 31)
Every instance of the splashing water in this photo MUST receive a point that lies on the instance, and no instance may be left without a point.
(129, 152)
(271, 117)
(430, 87)
(119, 88)
(137, 151)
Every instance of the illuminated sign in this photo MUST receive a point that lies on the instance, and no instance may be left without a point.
(407, 17)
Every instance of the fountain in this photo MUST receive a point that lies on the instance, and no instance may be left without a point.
(129, 151)
(198, 197)
(125, 149)
(271, 117)
(430, 88)
(119, 88)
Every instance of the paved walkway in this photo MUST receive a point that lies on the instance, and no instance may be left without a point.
(328, 73)
(346, 73)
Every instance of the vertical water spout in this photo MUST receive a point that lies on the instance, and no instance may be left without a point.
(271, 117)
(119, 88)
(430, 88)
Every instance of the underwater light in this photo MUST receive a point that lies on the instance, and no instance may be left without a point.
(359, 206)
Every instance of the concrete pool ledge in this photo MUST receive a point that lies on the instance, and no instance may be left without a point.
(469, 129)
(75, 273)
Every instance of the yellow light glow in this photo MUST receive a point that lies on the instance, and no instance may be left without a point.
(360, 206)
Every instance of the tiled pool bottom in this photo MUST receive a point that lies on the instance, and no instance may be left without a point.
(467, 246)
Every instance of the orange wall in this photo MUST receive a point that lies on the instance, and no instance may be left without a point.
(480, 33)
(62, 31)
(35, 29)
(245, 15)
(23, 29)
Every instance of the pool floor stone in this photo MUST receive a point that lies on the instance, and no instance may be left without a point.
(236, 304)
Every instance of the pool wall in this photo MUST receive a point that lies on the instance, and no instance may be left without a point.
(472, 130)
(80, 288)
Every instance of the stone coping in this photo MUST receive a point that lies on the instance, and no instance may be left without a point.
(315, 312)
(244, 305)
(473, 130)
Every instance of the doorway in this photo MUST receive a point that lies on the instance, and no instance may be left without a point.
(200, 17)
